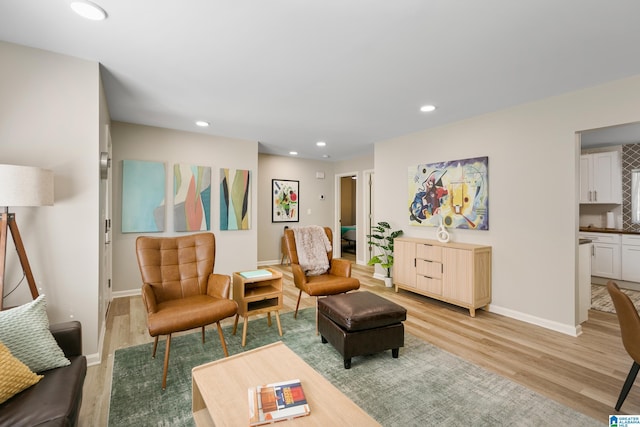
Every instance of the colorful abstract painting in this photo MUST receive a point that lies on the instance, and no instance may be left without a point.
(192, 197)
(235, 199)
(284, 197)
(454, 192)
(143, 196)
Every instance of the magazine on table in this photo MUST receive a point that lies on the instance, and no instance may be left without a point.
(277, 402)
(254, 274)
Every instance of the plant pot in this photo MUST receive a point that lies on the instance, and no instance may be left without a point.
(388, 282)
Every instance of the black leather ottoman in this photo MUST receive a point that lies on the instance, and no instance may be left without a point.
(359, 323)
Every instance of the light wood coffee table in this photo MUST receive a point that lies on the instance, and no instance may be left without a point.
(220, 390)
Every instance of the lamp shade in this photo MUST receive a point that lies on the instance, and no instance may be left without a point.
(25, 186)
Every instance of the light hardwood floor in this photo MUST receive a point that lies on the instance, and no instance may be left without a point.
(585, 373)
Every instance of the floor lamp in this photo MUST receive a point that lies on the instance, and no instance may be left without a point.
(20, 186)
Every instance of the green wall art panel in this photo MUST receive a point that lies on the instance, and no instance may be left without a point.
(235, 199)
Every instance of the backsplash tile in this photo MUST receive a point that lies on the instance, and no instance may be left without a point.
(630, 161)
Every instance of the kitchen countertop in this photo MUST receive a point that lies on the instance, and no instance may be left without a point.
(607, 230)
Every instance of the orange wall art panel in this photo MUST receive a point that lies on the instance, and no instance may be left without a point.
(192, 197)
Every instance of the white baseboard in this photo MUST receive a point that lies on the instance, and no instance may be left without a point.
(93, 359)
(272, 262)
(277, 261)
(574, 331)
(379, 276)
(127, 293)
(96, 358)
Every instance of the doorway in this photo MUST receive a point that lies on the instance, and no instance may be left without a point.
(104, 295)
(597, 149)
(348, 222)
(368, 177)
(346, 236)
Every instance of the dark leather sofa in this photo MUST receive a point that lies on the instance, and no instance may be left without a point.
(56, 399)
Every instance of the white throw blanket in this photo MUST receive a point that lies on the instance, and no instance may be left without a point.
(312, 245)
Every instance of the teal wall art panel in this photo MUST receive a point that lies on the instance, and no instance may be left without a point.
(143, 196)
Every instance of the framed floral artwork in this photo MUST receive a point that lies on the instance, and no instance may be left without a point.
(285, 195)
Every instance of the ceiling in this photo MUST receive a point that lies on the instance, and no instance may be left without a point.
(614, 135)
(289, 73)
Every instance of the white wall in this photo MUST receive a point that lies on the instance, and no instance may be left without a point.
(322, 211)
(49, 117)
(235, 250)
(533, 199)
(313, 211)
(52, 115)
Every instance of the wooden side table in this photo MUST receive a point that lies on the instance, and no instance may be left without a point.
(257, 295)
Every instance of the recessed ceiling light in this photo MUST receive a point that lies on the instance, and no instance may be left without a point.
(427, 108)
(88, 10)
(293, 153)
(326, 156)
(202, 123)
(321, 144)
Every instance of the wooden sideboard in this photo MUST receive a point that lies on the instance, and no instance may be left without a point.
(457, 273)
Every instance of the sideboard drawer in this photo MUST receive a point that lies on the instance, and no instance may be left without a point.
(430, 285)
(429, 268)
(430, 252)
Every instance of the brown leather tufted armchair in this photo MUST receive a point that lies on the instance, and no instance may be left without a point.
(337, 280)
(180, 290)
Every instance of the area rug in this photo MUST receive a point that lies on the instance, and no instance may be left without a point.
(601, 300)
(424, 386)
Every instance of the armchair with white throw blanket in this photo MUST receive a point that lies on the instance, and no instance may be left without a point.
(312, 246)
(315, 271)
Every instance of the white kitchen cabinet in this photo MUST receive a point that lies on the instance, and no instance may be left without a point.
(601, 178)
(606, 256)
(631, 258)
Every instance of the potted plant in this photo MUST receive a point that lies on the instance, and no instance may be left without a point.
(382, 237)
